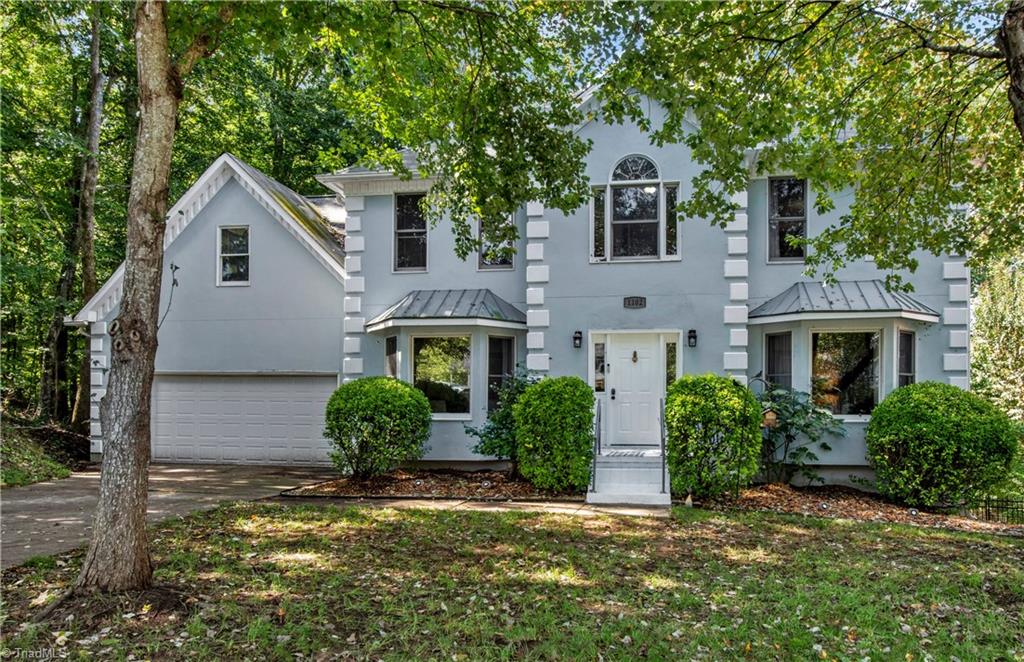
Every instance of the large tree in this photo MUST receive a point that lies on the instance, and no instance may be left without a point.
(481, 90)
(918, 106)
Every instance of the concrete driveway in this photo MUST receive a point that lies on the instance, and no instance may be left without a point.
(56, 516)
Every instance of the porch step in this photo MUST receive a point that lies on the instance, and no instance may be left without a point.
(629, 479)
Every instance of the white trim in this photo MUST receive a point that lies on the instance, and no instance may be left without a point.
(246, 373)
(839, 316)
(221, 256)
(452, 321)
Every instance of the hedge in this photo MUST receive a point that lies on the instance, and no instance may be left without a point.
(554, 426)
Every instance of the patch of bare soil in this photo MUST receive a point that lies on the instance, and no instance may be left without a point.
(847, 503)
(434, 484)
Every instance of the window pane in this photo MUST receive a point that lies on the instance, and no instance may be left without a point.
(441, 371)
(671, 220)
(634, 239)
(599, 367)
(500, 366)
(670, 363)
(635, 168)
(391, 356)
(844, 372)
(635, 203)
(234, 241)
(788, 198)
(411, 251)
(599, 221)
(409, 213)
(906, 359)
(779, 359)
(778, 246)
(234, 269)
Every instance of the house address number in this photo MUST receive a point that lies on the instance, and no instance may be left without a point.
(634, 302)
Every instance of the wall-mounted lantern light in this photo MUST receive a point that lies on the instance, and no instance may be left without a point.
(577, 339)
(691, 338)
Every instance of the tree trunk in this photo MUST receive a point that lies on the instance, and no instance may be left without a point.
(1011, 43)
(118, 557)
(87, 201)
(53, 395)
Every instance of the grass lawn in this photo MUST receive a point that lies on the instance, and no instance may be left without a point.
(275, 581)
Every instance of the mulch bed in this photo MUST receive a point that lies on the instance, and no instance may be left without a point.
(847, 503)
(435, 484)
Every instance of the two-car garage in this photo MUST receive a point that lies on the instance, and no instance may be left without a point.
(241, 419)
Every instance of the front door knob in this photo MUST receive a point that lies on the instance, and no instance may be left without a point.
(613, 394)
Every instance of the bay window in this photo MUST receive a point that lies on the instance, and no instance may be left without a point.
(905, 359)
(778, 359)
(844, 371)
(501, 360)
(441, 370)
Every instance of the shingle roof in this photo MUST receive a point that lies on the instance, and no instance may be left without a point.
(851, 296)
(451, 304)
(299, 208)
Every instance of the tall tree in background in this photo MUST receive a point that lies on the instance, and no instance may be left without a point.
(87, 198)
(905, 102)
(997, 338)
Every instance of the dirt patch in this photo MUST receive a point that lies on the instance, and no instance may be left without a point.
(848, 503)
(435, 484)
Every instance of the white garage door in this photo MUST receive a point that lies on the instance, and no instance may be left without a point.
(240, 419)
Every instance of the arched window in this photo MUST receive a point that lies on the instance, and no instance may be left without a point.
(634, 214)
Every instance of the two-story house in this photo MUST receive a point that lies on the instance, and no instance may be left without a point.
(273, 308)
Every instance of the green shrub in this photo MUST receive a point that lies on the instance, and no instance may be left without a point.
(800, 428)
(933, 443)
(554, 430)
(713, 427)
(498, 435)
(374, 423)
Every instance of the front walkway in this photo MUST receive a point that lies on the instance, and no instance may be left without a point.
(56, 516)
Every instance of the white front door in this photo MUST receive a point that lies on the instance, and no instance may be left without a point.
(634, 383)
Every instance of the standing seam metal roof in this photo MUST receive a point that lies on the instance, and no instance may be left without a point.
(842, 297)
(451, 304)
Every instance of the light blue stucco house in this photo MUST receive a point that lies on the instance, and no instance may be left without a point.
(279, 298)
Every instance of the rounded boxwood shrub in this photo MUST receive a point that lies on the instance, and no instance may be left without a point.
(374, 423)
(934, 443)
(713, 427)
(554, 421)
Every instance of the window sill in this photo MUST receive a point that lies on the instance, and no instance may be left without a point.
(237, 283)
(789, 261)
(637, 260)
(451, 417)
(498, 269)
(409, 271)
(853, 418)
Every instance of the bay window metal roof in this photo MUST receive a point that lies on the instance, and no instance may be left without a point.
(851, 298)
(449, 307)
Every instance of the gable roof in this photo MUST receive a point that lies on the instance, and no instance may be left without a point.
(857, 297)
(421, 307)
(296, 214)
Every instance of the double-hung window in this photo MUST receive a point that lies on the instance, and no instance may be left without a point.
(634, 216)
(233, 255)
(778, 359)
(493, 256)
(787, 218)
(410, 233)
(844, 371)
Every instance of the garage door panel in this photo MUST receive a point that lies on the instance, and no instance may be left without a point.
(240, 419)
